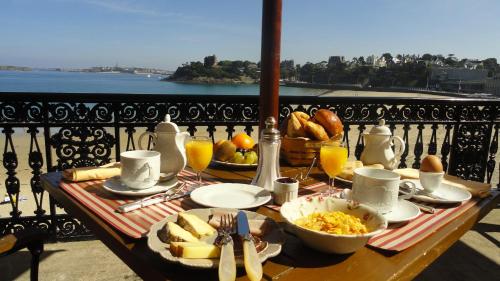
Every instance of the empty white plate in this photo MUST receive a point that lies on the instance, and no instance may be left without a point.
(114, 185)
(231, 195)
(405, 211)
(446, 194)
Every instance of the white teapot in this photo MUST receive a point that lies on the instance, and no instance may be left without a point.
(169, 141)
(378, 147)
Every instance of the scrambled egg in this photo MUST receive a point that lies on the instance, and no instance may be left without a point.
(333, 223)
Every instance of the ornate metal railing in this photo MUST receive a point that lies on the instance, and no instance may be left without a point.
(63, 130)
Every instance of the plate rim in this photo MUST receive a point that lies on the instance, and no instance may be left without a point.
(139, 192)
(264, 255)
(415, 207)
(210, 186)
(229, 164)
(427, 199)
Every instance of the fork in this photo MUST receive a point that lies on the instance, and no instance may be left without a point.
(227, 262)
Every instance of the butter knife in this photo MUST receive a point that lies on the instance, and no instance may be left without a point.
(251, 259)
(170, 194)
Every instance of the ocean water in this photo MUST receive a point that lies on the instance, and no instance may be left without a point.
(83, 82)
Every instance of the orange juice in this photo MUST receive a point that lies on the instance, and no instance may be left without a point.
(199, 154)
(333, 159)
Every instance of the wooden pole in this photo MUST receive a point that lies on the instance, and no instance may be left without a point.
(270, 60)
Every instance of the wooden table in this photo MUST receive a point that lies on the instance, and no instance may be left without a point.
(296, 262)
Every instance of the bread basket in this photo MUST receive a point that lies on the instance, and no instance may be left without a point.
(299, 151)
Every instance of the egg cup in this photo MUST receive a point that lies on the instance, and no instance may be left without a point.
(431, 180)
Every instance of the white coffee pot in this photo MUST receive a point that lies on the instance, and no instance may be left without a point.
(378, 147)
(169, 141)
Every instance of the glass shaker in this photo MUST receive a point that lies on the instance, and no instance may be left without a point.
(268, 169)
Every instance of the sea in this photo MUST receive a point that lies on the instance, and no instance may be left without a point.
(42, 81)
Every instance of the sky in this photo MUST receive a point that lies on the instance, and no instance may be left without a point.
(166, 33)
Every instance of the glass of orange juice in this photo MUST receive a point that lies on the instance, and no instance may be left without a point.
(199, 154)
(333, 156)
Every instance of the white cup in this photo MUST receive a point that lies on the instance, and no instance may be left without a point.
(430, 181)
(285, 190)
(378, 188)
(140, 168)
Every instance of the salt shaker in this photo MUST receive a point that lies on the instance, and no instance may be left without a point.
(269, 165)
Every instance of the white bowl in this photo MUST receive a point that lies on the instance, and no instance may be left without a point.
(332, 243)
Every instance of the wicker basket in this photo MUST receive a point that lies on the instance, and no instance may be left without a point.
(299, 151)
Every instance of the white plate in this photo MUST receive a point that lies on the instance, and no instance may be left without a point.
(451, 194)
(234, 165)
(405, 211)
(114, 185)
(274, 238)
(231, 195)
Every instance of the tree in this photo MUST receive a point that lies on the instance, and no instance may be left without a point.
(427, 57)
(361, 60)
(387, 57)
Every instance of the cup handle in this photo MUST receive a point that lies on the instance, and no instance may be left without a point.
(146, 134)
(408, 195)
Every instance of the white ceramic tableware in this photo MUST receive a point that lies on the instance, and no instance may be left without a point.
(115, 185)
(231, 195)
(332, 243)
(379, 189)
(447, 194)
(274, 237)
(430, 181)
(403, 212)
(140, 168)
(285, 190)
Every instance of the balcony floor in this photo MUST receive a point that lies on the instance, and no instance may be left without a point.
(474, 257)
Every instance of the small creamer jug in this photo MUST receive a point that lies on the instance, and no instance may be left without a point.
(169, 141)
(378, 147)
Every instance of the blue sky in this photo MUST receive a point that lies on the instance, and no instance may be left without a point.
(166, 33)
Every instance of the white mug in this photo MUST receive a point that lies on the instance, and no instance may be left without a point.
(140, 168)
(285, 190)
(378, 188)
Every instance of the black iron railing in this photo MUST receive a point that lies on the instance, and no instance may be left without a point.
(65, 130)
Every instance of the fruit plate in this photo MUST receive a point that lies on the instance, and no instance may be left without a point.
(273, 239)
(234, 165)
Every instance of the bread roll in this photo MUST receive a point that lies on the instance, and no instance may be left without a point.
(295, 128)
(315, 131)
(330, 121)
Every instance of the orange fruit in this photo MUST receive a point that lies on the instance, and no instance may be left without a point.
(243, 141)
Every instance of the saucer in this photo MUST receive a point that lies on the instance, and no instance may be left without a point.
(114, 185)
(404, 211)
(445, 194)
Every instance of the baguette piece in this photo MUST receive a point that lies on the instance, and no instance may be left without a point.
(195, 225)
(316, 131)
(295, 128)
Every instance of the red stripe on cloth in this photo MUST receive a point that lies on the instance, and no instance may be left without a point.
(101, 212)
(137, 223)
(430, 228)
(417, 230)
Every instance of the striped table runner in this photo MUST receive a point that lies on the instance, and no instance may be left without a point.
(402, 236)
(137, 223)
